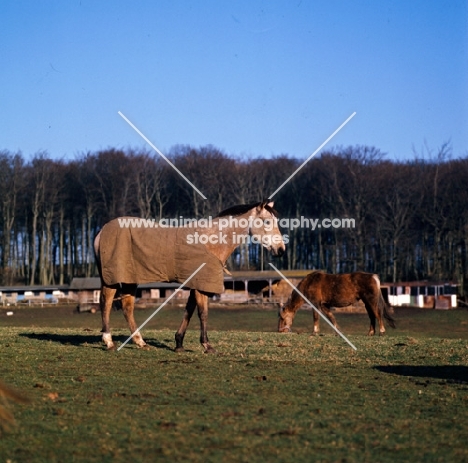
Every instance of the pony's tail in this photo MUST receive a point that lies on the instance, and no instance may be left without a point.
(383, 307)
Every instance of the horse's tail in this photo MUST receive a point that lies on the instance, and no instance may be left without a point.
(97, 254)
(384, 310)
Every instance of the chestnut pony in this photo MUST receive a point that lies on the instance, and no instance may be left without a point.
(326, 291)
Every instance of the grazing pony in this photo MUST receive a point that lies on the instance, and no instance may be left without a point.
(129, 251)
(326, 291)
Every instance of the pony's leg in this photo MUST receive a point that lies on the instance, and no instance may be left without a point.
(128, 306)
(189, 309)
(328, 313)
(316, 323)
(105, 301)
(380, 320)
(373, 315)
(202, 304)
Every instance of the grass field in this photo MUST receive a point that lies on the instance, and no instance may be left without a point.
(264, 397)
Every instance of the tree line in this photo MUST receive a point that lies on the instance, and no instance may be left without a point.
(410, 217)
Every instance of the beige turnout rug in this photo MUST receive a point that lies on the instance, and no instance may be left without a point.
(146, 255)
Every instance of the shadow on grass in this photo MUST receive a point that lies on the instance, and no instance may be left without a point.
(451, 373)
(89, 340)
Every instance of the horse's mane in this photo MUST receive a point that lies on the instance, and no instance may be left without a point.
(243, 208)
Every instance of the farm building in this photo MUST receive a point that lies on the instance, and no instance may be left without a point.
(423, 294)
(12, 295)
(243, 286)
(240, 287)
(435, 295)
(88, 290)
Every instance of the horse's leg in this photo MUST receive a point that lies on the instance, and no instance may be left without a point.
(128, 307)
(326, 309)
(379, 316)
(316, 323)
(202, 304)
(381, 326)
(189, 309)
(373, 314)
(105, 301)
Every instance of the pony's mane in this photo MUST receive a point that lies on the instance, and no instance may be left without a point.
(240, 209)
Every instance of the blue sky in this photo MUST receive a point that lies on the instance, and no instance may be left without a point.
(254, 78)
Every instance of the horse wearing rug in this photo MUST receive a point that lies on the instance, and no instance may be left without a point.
(326, 291)
(128, 255)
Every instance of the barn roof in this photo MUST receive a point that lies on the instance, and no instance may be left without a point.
(22, 288)
(85, 283)
(92, 283)
(265, 275)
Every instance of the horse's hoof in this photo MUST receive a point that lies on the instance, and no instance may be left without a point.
(209, 350)
(144, 347)
(111, 348)
(314, 333)
(179, 350)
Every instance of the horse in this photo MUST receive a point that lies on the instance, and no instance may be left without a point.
(128, 256)
(326, 291)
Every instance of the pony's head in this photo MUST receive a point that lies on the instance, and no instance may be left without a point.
(264, 230)
(285, 319)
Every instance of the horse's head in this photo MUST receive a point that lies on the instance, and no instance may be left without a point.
(264, 228)
(285, 319)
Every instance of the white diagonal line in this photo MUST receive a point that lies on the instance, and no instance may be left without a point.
(313, 154)
(162, 305)
(162, 155)
(315, 308)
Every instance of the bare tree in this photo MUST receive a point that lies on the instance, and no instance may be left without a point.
(151, 193)
(11, 184)
(399, 199)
